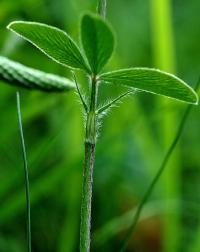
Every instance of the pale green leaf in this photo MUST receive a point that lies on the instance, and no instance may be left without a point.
(153, 81)
(52, 41)
(97, 40)
(19, 75)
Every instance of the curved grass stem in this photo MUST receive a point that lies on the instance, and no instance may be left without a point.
(26, 177)
(157, 176)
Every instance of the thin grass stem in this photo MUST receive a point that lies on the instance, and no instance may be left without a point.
(157, 176)
(26, 176)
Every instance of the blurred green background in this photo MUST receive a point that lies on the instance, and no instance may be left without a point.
(133, 138)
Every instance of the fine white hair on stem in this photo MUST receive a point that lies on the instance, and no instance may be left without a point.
(81, 96)
(111, 103)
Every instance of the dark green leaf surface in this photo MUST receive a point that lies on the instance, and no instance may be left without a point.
(97, 40)
(55, 43)
(16, 74)
(153, 81)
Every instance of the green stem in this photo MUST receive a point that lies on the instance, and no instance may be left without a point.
(87, 198)
(101, 8)
(164, 55)
(28, 208)
(90, 139)
(157, 176)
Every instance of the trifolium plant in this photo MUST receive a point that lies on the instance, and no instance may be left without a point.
(97, 45)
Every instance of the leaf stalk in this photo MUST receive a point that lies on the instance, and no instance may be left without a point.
(113, 102)
(79, 93)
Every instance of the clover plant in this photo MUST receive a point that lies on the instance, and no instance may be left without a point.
(97, 46)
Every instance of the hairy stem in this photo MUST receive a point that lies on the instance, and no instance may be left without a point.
(87, 198)
(157, 176)
(90, 139)
(113, 102)
(26, 179)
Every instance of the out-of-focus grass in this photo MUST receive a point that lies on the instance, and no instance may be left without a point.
(163, 48)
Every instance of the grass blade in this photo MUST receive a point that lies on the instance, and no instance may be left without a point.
(26, 179)
(157, 176)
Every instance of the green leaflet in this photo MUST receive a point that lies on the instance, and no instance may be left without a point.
(55, 43)
(97, 40)
(153, 81)
(16, 74)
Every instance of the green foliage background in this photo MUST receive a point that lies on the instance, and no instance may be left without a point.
(132, 141)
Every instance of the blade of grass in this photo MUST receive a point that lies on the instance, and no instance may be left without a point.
(36, 158)
(41, 105)
(120, 223)
(164, 57)
(162, 35)
(28, 208)
(13, 206)
(157, 176)
(37, 154)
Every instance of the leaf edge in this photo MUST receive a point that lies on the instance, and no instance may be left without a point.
(196, 102)
(85, 68)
